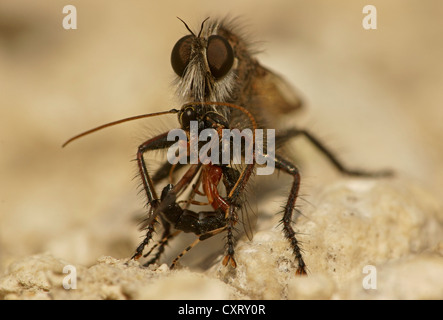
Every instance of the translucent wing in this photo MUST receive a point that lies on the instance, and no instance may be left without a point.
(273, 93)
(248, 213)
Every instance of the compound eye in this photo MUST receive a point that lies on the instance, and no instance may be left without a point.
(187, 116)
(220, 56)
(181, 54)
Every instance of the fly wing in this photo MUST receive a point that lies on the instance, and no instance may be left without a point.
(273, 93)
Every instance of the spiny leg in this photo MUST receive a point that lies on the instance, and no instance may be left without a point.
(231, 220)
(147, 254)
(283, 137)
(167, 235)
(288, 231)
(156, 143)
(234, 182)
(139, 251)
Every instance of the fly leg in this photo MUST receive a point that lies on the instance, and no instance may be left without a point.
(291, 133)
(156, 143)
(288, 231)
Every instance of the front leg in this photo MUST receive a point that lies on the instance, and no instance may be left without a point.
(156, 143)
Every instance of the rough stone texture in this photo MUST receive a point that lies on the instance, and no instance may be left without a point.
(41, 277)
(355, 223)
(374, 97)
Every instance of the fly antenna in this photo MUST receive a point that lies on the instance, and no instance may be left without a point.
(187, 27)
(201, 28)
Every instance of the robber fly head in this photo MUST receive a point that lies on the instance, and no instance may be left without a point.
(204, 64)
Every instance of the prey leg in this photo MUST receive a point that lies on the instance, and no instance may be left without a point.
(205, 236)
(167, 235)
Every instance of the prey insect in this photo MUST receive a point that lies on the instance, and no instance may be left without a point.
(222, 86)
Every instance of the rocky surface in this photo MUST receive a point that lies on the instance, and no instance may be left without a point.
(391, 230)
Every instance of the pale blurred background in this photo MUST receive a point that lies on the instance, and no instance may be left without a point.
(374, 96)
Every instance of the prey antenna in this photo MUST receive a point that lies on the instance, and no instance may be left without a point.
(118, 122)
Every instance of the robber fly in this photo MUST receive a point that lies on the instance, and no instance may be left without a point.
(222, 86)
